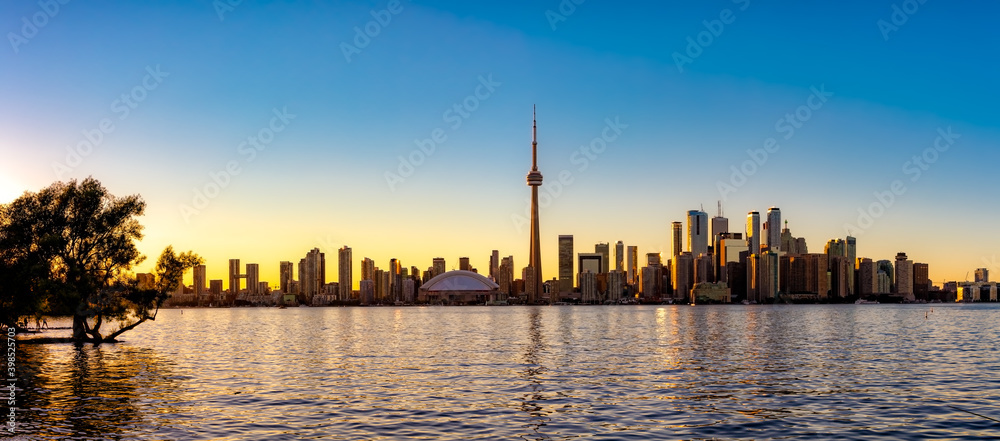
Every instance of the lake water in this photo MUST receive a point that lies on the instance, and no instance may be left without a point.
(560, 372)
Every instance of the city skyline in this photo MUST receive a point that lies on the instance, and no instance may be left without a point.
(412, 145)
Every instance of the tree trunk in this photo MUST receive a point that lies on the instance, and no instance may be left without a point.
(79, 328)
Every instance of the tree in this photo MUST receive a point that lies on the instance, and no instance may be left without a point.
(68, 250)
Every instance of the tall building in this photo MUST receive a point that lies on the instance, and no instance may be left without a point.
(982, 275)
(494, 264)
(904, 277)
(438, 266)
(772, 230)
(345, 274)
(565, 263)
(851, 251)
(592, 262)
(588, 286)
(528, 276)
(366, 291)
(604, 250)
(312, 274)
(753, 232)
(677, 234)
(632, 264)
(506, 281)
(535, 181)
(367, 269)
(697, 232)
(885, 266)
(234, 276)
(720, 224)
(199, 280)
(616, 281)
(768, 282)
(286, 276)
(682, 274)
(921, 281)
(253, 278)
(463, 264)
(835, 248)
(619, 256)
(867, 277)
(727, 249)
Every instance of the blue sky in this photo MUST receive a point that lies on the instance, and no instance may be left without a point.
(322, 180)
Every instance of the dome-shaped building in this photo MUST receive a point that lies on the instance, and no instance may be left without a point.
(458, 287)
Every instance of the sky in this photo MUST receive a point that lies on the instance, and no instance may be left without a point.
(261, 130)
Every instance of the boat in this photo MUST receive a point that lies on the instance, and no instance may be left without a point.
(865, 302)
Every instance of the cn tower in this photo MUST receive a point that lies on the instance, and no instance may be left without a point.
(535, 181)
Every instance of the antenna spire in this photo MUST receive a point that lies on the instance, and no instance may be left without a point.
(534, 140)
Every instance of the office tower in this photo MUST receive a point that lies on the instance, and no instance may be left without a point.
(835, 248)
(632, 263)
(753, 232)
(409, 291)
(366, 291)
(653, 259)
(720, 224)
(587, 281)
(768, 280)
(604, 250)
(886, 267)
(199, 280)
(234, 276)
(438, 266)
(506, 281)
(681, 275)
(592, 262)
(215, 287)
(395, 280)
(616, 285)
(904, 277)
(494, 264)
(867, 277)
(753, 277)
(345, 274)
(728, 247)
(851, 251)
(565, 263)
(789, 244)
(982, 275)
(285, 275)
(535, 181)
(839, 273)
(253, 278)
(619, 256)
(921, 281)
(463, 264)
(367, 269)
(800, 245)
(704, 269)
(772, 230)
(650, 279)
(697, 232)
(386, 295)
(884, 282)
(312, 273)
(677, 238)
(528, 275)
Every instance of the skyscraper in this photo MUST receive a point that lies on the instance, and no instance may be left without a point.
(535, 181)
(344, 276)
(199, 280)
(286, 276)
(253, 278)
(234, 276)
(772, 229)
(851, 251)
(697, 233)
(720, 224)
(565, 263)
(368, 269)
(619, 256)
(982, 275)
(677, 235)
(753, 232)
(904, 277)
(494, 264)
(632, 263)
(463, 264)
(438, 266)
(604, 250)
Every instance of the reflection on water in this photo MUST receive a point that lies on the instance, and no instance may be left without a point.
(635, 372)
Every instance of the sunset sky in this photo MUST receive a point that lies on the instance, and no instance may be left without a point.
(179, 89)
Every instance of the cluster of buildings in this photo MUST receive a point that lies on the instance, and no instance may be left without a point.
(761, 263)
